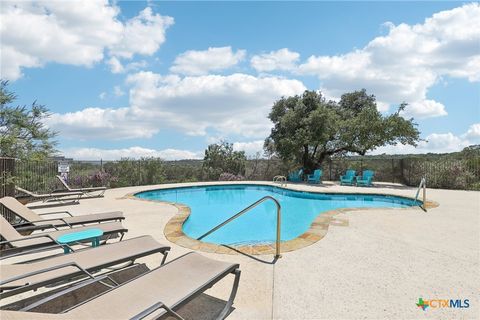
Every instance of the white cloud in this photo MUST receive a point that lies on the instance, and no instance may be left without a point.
(115, 65)
(425, 109)
(142, 34)
(473, 133)
(234, 104)
(215, 139)
(78, 33)
(106, 123)
(102, 95)
(251, 148)
(436, 143)
(117, 91)
(136, 65)
(131, 152)
(405, 63)
(443, 142)
(202, 62)
(282, 59)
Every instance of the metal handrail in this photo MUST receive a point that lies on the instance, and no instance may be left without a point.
(253, 205)
(280, 179)
(423, 184)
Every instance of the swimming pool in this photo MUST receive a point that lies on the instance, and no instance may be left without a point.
(211, 205)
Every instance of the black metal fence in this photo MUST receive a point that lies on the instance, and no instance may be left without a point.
(36, 176)
(441, 172)
(39, 176)
(7, 165)
(7, 186)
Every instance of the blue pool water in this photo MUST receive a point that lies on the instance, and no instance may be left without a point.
(211, 205)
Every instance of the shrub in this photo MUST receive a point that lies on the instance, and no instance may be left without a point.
(226, 176)
(221, 158)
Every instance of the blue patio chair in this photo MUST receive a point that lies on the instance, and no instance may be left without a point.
(296, 176)
(348, 178)
(316, 177)
(366, 178)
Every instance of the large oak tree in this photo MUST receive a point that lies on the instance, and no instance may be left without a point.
(308, 128)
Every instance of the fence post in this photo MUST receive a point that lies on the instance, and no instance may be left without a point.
(402, 174)
(425, 168)
(409, 171)
(8, 172)
(393, 171)
(139, 173)
(7, 186)
(330, 168)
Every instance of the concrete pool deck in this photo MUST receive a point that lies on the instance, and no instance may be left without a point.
(375, 267)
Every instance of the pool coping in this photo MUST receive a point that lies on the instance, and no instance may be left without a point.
(318, 229)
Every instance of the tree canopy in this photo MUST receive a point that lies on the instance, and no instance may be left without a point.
(308, 128)
(221, 158)
(22, 131)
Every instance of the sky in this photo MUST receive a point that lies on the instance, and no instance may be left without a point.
(161, 78)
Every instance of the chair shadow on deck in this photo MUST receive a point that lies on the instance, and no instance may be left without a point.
(203, 307)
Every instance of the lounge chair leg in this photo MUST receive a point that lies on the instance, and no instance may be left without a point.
(173, 313)
(229, 304)
(164, 258)
(156, 306)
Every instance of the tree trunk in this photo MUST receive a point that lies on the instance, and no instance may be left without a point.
(320, 159)
(305, 159)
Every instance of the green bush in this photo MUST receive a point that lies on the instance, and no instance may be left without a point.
(221, 158)
(129, 172)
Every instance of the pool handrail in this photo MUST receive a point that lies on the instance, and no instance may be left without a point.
(282, 180)
(423, 184)
(253, 205)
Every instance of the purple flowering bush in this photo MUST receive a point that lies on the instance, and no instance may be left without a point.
(226, 176)
(101, 178)
(94, 179)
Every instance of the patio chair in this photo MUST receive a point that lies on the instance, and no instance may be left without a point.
(33, 221)
(366, 178)
(159, 291)
(348, 178)
(18, 278)
(296, 176)
(13, 243)
(86, 191)
(53, 196)
(316, 177)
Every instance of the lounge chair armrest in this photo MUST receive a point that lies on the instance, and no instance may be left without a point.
(93, 188)
(35, 227)
(31, 251)
(56, 212)
(42, 220)
(56, 245)
(35, 237)
(33, 273)
(28, 238)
